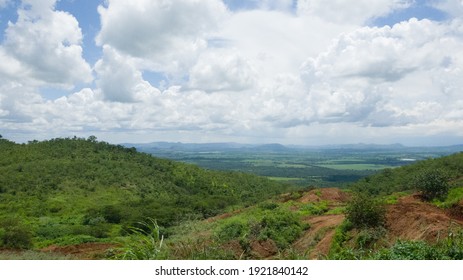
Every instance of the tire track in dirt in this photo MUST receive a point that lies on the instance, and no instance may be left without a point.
(317, 240)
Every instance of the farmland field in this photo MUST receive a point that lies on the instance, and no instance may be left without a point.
(322, 166)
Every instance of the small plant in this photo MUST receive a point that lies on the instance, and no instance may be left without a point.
(145, 242)
(368, 238)
(337, 249)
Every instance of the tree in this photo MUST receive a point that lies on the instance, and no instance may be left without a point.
(92, 139)
(432, 184)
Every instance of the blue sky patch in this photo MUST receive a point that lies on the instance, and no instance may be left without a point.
(419, 10)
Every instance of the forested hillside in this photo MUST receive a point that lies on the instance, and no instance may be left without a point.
(404, 178)
(75, 190)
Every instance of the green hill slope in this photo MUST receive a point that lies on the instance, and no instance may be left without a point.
(76, 190)
(403, 178)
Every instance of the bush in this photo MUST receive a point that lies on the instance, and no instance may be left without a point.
(283, 227)
(410, 250)
(112, 214)
(14, 234)
(449, 248)
(317, 208)
(364, 211)
(432, 184)
(232, 230)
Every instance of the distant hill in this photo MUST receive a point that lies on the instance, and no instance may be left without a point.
(206, 147)
(279, 148)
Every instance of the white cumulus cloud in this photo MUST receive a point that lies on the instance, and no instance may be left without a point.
(117, 76)
(44, 47)
(388, 76)
(168, 34)
(220, 70)
(452, 7)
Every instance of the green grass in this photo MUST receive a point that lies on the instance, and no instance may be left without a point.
(314, 208)
(393, 198)
(336, 211)
(454, 196)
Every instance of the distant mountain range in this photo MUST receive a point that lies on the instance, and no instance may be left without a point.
(277, 148)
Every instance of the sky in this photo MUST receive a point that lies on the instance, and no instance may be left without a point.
(305, 72)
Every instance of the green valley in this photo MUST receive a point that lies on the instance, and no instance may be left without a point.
(78, 198)
(324, 166)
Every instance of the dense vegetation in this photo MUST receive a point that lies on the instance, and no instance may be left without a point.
(446, 168)
(76, 190)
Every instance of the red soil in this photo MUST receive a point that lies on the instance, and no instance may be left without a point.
(412, 219)
(317, 240)
(85, 251)
(332, 195)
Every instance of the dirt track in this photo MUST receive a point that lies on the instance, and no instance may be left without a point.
(85, 251)
(317, 240)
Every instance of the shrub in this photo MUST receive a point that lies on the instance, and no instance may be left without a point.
(364, 211)
(232, 230)
(367, 238)
(409, 250)
(432, 184)
(14, 234)
(283, 227)
(112, 214)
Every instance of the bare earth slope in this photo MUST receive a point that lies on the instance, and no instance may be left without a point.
(412, 219)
